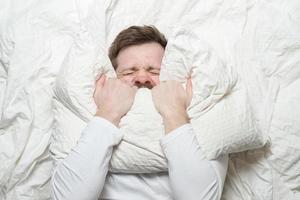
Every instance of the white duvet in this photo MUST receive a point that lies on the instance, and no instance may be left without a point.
(256, 40)
(219, 109)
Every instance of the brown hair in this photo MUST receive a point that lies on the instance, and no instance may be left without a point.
(135, 35)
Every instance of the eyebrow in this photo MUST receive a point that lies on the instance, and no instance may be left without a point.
(151, 67)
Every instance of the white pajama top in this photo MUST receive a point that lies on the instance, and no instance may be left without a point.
(84, 175)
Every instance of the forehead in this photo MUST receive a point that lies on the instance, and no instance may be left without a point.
(144, 55)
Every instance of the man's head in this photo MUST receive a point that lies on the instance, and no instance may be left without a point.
(136, 55)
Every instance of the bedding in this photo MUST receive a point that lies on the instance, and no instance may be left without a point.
(258, 40)
(140, 151)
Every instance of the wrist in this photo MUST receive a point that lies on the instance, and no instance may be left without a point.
(110, 116)
(175, 120)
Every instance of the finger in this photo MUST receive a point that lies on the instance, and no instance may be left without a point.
(189, 90)
(101, 81)
(135, 88)
(153, 90)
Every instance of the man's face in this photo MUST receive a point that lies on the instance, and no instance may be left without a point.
(139, 65)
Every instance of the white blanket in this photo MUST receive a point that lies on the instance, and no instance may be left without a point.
(258, 39)
(219, 109)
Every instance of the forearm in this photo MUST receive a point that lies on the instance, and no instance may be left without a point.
(191, 175)
(81, 175)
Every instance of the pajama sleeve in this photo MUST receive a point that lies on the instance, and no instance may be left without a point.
(191, 175)
(81, 175)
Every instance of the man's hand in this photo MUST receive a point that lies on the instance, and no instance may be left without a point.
(113, 98)
(171, 101)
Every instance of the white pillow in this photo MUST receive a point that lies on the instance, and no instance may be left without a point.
(219, 110)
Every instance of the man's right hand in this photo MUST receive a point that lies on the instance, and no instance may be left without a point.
(113, 98)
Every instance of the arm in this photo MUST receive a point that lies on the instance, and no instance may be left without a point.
(81, 175)
(191, 175)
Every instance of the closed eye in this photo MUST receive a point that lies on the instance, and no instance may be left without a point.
(154, 72)
(127, 73)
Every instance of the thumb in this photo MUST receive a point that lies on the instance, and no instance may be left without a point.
(189, 90)
(101, 81)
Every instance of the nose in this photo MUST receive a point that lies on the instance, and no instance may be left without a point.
(143, 79)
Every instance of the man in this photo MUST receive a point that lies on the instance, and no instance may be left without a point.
(136, 55)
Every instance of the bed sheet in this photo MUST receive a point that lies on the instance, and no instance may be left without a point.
(262, 40)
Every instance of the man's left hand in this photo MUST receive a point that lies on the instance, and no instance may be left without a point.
(171, 101)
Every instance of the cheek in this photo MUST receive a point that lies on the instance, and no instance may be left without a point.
(126, 79)
(155, 79)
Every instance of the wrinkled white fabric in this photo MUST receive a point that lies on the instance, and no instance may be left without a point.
(259, 39)
(219, 111)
